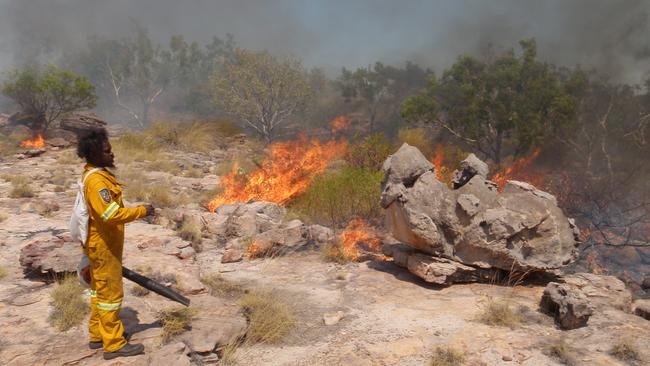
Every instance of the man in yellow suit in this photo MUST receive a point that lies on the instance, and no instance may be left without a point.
(105, 245)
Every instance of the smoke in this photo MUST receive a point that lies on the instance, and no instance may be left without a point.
(608, 35)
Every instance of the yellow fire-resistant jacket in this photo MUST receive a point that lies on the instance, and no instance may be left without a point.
(107, 212)
(104, 249)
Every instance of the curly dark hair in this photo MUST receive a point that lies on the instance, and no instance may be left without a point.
(91, 144)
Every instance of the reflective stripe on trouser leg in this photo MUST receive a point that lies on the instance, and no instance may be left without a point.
(107, 282)
(93, 322)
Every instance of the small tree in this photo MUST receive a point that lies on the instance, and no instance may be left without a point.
(499, 107)
(48, 94)
(260, 90)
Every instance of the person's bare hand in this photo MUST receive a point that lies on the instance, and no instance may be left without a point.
(150, 209)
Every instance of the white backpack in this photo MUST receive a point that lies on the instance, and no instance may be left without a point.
(79, 218)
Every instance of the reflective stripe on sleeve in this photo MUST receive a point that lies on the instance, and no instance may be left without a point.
(109, 306)
(110, 211)
(93, 293)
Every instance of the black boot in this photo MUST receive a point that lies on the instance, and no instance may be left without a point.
(98, 344)
(129, 349)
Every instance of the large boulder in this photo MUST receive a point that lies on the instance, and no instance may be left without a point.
(518, 229)
(642, 308)
(81, 122)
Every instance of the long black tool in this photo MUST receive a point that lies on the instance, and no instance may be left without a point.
(154, 286)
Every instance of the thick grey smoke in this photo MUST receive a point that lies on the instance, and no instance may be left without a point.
(610, 35)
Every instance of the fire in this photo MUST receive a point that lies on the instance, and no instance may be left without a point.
(358, 234)
(34, 143)
(286, 173)
(340, 123)
(517, 170)
(437, 160)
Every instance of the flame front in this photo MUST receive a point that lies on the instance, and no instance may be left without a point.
(286, 173)
(517, 170)
(340, 123)
(33, 143)
(358, 234)
(437, 160)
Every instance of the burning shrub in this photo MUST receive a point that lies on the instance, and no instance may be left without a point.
(370, 152)
(336, 197)
(286, 173)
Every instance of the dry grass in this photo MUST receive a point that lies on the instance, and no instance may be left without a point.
(3, 216)
(135, 147)
(627, 351)
(68, 158)
(175, 321)
(69, 305)
(193, 172)
(139, 291)
(59, 178)
(3, 272)
(446, 356)
(163, 165)
(195, 136)
(499, 313)
(269, 317)
(333, 253)
(418, 137)
(158, 194)
(561, 351)
(21, 190)
(219, 286)
(190, 230)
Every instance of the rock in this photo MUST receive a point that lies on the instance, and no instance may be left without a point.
(287, 237)
(520, 229)
(405, 166)
(31, 153)
(470, 167)
(216, 324)
(232, 255)
(603, 291)
(332, 318)
(170, 354)
(436, 270)
(646, 283)
(81, 122)
(249, 219)
(52, 254)
(568, 305)
(187, 252)
(642, 308)
(58, 142)
(320, 234)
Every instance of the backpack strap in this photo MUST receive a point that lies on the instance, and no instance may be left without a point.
(83, 181)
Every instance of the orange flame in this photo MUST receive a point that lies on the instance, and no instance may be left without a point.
(286, 173)
(437, 160)
(358, 234)
(517, 170)
(340, 123)
(33, 143)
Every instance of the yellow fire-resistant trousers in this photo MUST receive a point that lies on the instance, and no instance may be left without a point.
(106, 297)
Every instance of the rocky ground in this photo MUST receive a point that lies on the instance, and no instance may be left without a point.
(377, 313)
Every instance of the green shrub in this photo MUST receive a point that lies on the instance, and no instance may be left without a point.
(335, 197)
(69, 305)
(370, 152)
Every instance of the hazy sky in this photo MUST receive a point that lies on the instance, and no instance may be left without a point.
(609, 34)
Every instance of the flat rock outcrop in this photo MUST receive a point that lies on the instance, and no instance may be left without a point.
(519, 229)
(50, 254)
